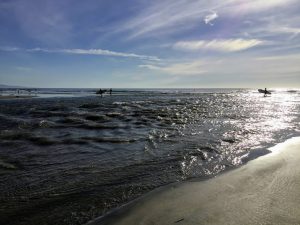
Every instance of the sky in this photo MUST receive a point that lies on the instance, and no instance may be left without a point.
(150, 44)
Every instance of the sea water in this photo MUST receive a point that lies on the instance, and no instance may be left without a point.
(68, 155)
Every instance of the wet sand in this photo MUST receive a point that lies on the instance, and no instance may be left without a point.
(264, 191)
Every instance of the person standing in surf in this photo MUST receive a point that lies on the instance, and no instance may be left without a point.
(266, 92)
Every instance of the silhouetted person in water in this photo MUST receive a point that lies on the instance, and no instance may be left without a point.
(110, 91)
(100, 92)
(266, 92)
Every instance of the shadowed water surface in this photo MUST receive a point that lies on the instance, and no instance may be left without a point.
(69, 160)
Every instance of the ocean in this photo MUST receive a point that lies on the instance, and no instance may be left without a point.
(68, 156)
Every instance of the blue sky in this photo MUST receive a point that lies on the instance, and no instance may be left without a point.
(157, 43)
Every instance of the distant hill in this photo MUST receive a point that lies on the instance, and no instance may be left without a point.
(10, 86)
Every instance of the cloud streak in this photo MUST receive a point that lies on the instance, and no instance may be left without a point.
(174, 16)
(211, 17)
(77, 51)
(248, 67)
(179, 69)
(229, 45)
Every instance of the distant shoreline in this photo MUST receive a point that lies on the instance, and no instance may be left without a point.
(16, 96)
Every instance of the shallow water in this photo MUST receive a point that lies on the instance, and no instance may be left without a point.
(68, 160)
(265, 191)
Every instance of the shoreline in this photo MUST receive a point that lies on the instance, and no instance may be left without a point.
(263, 191)
(16, 96)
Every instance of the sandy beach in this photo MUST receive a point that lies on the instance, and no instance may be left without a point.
(264, 191)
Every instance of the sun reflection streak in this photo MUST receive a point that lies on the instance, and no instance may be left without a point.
(250, 124)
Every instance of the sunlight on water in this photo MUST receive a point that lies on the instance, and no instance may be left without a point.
(92, 154)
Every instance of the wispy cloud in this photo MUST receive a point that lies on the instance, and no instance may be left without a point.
(241, 6)
(8, 49)
(151, 67)
(179, 69)
(271, 30)
(102, 52)
(78, 51)
(211, 17)
(174, 16)
(249, 67)
(287, 58)
(165, 17)
(230, 45)
(44, 21)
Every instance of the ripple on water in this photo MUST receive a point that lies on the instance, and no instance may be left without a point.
(109, 139)
(26, 136)
(7, 165)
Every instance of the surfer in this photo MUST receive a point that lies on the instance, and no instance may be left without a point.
(266, 92)
(100, 92)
